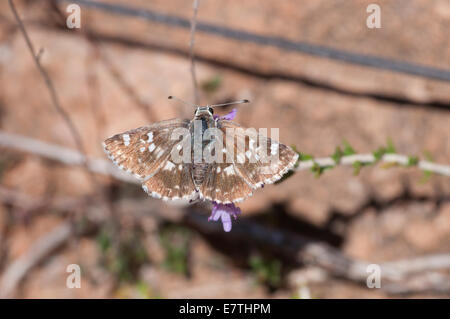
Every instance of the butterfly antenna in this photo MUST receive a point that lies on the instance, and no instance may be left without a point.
(171, 97)
(230, 103)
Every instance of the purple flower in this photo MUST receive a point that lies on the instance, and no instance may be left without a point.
(224, 212)
(228, 117)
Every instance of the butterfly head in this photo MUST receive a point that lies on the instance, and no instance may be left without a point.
(204, 111)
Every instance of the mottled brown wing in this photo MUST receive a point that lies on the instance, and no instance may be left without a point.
(250, 161)
(145, 152)
(171, 182)
(223, 184)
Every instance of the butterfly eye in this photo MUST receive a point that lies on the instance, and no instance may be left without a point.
(210, 109)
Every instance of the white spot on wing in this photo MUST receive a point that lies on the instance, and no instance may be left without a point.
(151, 147)
(273, 148)
(126, 139)
(229, 170)
(169, 166)
(156, 195)
(160, 152)
(150, 136)
(218, 169)
(142, 149)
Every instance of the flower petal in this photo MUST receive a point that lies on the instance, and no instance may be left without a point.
(230, 115)
(224, 212)
(226, 222)
(215, 214)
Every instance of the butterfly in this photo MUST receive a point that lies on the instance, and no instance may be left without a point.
(146, 152)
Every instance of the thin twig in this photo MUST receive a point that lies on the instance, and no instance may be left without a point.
(17, 270)
(56, 103)
(53, 94)
(63, 155)
(191, 51)
(42, 248)
(370, 159)
(61, 235)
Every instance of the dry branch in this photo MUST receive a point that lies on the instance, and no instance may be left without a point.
(63, 233)
(48, 82)
(55, 99)
(63, 155)
(415, 275)
(18, 269)
(191, 50)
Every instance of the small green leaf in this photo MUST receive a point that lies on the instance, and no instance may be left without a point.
(356, 167)
(413, 160)
(348, 150)
(301, 156)
(318, 170)
(390, 149)
(305, 157)
(337, 155)
(295, 149)
(378, 154)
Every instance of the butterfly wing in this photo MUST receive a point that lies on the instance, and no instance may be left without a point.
(260, 160)
(224, 184)
(145, 151)
(247, 168)
(171, 182)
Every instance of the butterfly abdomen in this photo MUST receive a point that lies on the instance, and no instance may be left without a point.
(198, 173)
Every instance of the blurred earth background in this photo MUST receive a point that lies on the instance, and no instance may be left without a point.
(115, 73)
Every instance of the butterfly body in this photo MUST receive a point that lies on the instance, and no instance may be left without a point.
(199, 168)
(147, 152)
